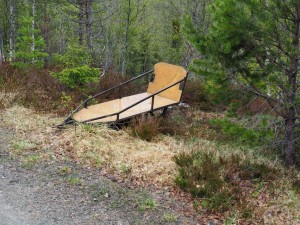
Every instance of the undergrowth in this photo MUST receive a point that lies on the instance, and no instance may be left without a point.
(241, 134)
(218, 180)
(146, 128)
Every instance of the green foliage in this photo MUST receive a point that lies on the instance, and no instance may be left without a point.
(125, 169)
(75, 56)
(27, 55)
(170, 217)
(65, 99)
(241, 134)
(77, 72)
(30, 161)
(74, 180)
(147, 203)
(140, 56)
(246, 45)
(78, 76)
(214, 178)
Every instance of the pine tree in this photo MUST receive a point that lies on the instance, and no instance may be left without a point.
(255, 45)
(26, 56)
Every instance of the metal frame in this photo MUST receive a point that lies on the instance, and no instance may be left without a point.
(69, 120)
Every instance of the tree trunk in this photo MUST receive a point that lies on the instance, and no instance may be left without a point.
(107, 48)
(290, 135)
(80, 17)
(290, 117)
(33, 28)
(46, 32)
(12, 30)
(124, 50)
(89, 25)
(2, 57)
(61, 29)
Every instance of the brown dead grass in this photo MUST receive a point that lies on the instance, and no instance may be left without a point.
(104, 147)
(149, 162)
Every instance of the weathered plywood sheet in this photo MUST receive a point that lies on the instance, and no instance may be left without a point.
(99, 110)
(165, 75)
(118, 105)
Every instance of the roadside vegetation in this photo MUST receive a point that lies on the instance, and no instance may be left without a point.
(226, 166)
(231, 152)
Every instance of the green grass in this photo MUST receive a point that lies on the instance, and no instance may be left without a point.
(30, 161)
(65, 171)
(169, 217)
(93, 158)
(125, 169)
(21, 146)
(147, 203)
(74, 180)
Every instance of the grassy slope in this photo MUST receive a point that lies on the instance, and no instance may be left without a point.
(146, 162)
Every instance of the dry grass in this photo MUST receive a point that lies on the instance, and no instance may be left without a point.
(100, 146)
(146, 162)
(149, 161)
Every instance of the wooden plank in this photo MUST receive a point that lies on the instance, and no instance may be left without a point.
(117, 105)
(165, 75)
(98, 110)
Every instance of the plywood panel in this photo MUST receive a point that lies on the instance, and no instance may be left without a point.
(165, 75)
(98, 110)
(143, 106)
(118, 105)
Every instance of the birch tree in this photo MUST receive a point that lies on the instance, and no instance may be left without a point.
(12, 31)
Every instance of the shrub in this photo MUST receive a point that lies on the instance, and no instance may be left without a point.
(77, 73)
(216, 179)
(195, 94)
(145, 128)
(241, 134)
(78, 76)
(200, 174)
(176, 123)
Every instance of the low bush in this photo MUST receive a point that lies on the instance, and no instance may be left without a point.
(145, 128)
(78, 77)
(176, 123)
(216, 179)
(242, 134)
(196, 95)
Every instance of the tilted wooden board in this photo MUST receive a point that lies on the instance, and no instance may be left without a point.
(118, 105)
(165, 75)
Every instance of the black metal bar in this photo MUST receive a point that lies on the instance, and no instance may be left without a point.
(183, 87)
(152, 103)
(165, 111)
(122, 84)
(152, 77)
